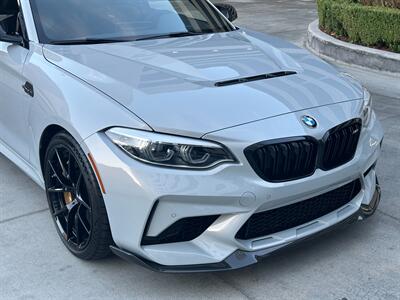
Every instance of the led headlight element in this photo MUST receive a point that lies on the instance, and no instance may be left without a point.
(367, 108)
(168, 150)
(367, 105)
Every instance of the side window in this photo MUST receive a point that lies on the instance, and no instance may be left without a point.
(9, 16)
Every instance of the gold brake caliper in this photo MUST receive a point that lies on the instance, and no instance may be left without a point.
(68, 198)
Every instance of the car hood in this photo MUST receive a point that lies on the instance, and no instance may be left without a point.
(174, 84)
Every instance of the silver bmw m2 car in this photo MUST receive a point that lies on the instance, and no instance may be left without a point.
(167, 135)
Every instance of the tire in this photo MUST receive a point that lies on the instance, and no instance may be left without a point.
(75, 199)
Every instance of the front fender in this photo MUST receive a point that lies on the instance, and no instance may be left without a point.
(65, 100)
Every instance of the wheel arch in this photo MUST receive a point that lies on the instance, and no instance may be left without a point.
(48, 133)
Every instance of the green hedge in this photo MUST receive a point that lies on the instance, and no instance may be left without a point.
(387, 3)
(366, 25)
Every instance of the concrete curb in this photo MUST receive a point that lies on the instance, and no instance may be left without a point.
(323, 44)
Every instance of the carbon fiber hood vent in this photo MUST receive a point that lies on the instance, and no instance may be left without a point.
(255, 78)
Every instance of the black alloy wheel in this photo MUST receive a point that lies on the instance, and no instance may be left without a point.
(75, 200)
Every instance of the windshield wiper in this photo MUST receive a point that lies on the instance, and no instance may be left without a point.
(87, 41)
(169, 35)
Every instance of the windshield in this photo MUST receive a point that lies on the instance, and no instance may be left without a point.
(124, 20)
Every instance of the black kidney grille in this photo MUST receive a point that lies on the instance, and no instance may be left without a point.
(286, 217)
(297, 157)
(281, 161)
(340, 144)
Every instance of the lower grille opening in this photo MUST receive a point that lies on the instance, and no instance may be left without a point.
(184, 230)
(283, 218)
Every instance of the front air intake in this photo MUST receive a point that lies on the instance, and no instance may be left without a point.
(272, 221)
(184, 230)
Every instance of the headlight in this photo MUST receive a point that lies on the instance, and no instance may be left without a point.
(367, 108)
(168, 150)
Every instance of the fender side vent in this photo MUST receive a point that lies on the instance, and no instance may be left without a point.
(255, 78)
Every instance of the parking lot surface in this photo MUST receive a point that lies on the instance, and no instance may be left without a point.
(361, 261)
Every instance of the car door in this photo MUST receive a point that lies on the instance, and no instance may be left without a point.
(14, 101)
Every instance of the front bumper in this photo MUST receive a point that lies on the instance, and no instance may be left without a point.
(235, 192)
(241, 259)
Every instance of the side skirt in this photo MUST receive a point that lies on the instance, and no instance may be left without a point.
(21, 163)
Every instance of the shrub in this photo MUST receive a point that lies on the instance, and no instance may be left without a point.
(366, 25)
(387, 3)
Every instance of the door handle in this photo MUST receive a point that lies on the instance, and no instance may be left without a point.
(28, 88)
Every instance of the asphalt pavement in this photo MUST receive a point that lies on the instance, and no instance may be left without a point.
(361, 261)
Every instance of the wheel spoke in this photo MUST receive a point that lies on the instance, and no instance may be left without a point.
(69, 165)
(73, 205)
(81, 201)
(56, 175)
(64, 170)
(82, 222)
(61, 211)
(70, 225)
(56, 190)
(78, 182)
(71, 220)
(77, 229)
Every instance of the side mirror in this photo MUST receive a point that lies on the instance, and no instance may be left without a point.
(8, 38)
(227, 10)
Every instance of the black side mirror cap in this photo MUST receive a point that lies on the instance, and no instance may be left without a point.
(227, 10)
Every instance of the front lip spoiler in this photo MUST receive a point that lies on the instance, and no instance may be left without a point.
(240, 259)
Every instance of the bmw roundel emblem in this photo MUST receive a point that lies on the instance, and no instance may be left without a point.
(309, 121)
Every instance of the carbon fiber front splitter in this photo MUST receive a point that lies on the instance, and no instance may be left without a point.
(240, 259)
